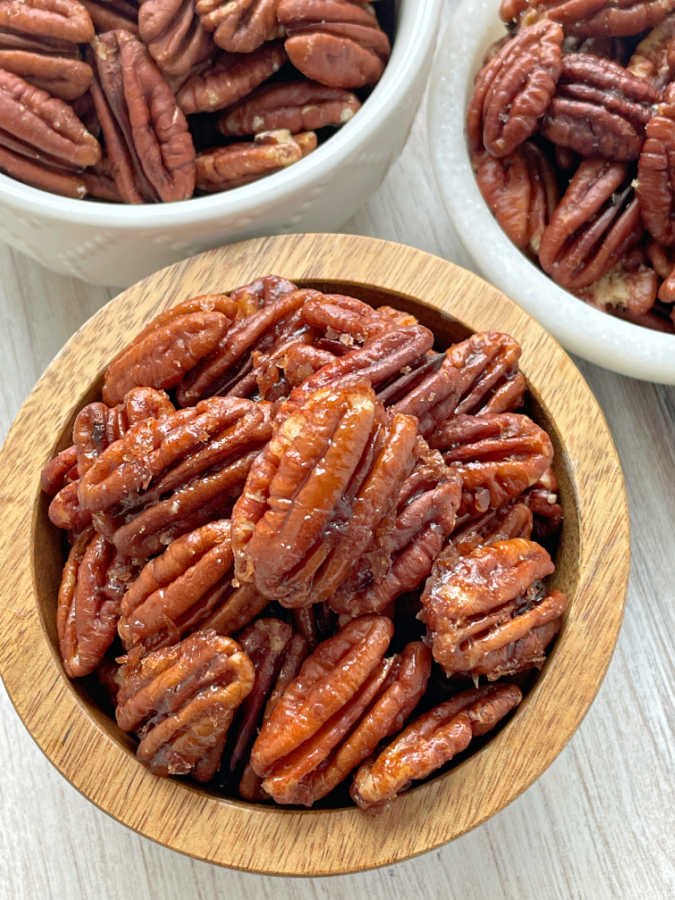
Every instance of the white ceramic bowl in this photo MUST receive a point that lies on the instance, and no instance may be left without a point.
(114, 244)
(594, 335)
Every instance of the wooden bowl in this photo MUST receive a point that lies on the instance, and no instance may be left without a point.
(592, 567)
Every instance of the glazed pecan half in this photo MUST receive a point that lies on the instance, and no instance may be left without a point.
(543, 501)
(488, 613)
(514, 520)
(431, 741)
(239, 26)
(653, 57)
(338, 43)
(174, 35)
(59, 471)
(180, 701)
(228, 167)
(656, 173)
(327, 480)
(146, 134)
(599, 108)
(513, 91)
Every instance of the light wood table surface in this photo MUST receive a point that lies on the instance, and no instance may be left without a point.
(600, 823)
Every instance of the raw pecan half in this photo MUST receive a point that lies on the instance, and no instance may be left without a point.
(489, 614)
(656, 173)
(228, 167)
(180, 701)
(653, 56)
(431, 741)
(514, 89)
(338, 43)
(328, 478)
(63, 20)
(146, 134)
(42, 176)
(599, 108)
(174, 35)
(595, 224)
(66, 77)
(239, 26)
(497, 456)
(296, 106)
(623, 290)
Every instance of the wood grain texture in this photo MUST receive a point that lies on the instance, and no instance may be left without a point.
(598, 824)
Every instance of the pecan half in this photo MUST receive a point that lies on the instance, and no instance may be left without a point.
(228, 167)
(249, 298)
(61, 76)
(515, 520)
(595, 224)
(497, 456)
(542, 499)
(653, 56)
(59, 471)
(488, 613)
(146, 134)
(180, 701)
(656, 173)
(64, 20)
(589, 18)
(514, 89)
(622, 290)
(322, 486)
(174, 35)
(296, 106)
(338, 43)
(231, 77)
(42, 176)
(65, 510)
(599, 108)
(239, 26)
(431, 741)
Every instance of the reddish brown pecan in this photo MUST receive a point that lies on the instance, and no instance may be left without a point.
(239, 26)
(180, 701)
(488, 613)
(94, 579)
(656, 173)
(228, 167)
(338, 43)
(595, 224)
(631, 291)
(431, 741)
(589, 18)
(109, 15)
(663, 261)
(43, 128)
(497, 456)
(231, 77)
(333, 676)
(66, 512)
(249, 298)
(42, 176)
(174, 35)
(59, 471)
(64, 20)
(515, 520)
(63, 76)
(327, 480)
(599, 108)
(514, 89)
(315, 623)
(542, 499)
(652, 58)
(146, 134)
(521, 191)
(347, 322)
(296, 106)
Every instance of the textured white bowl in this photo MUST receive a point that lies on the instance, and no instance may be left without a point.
(114, 244)
(594, 335)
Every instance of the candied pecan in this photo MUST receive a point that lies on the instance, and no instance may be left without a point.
(42, 127)
(329, 679)
(66, 512)
(599, 108)
(146, 134)
(59, 471)
(174, 35)
(315, 623)
(488, 613)
(656, 173)
(595, 224)
(514, 89)
(521, 191)
(109, 15)
(497, 456)
(107, 675)
(296, 105)
(377, 711)
(239, 26)
(400, 560)
(542, 500)
(651, 58)
(479, 375)
(431, 741)
(41, 176)
(65, 20)
(180, 701)
(338, 43)
(349, 321)
(249, 298)
(231, 77)
(515, 520)
(319, 490)
(223, 168)
(61, 76)
(94, 579)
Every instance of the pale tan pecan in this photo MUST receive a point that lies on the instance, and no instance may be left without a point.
(228, 167)
(174, 35)
(239, 26)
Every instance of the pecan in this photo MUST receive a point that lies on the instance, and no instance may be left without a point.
(377, 711)
(521, 191)
(60, 76)
(497, 456)
(180, 700)
(653, 56)
(663, 261)
(146, 134)
(94, 579)
(41, 176)
(332, 677)
(631, 291)
(174, 35)
(431, 741)
(542, 500)
(296, 106)
(107, 675)
(599, 108)
(319, 490)
(59, 471)
(249, 298)
(488, 613)
(315, 623)
(514, 89)
(479, 375)
(515, 520)
(239, 26)
(41, 127)
(598, 45)
(338, 43)
(65, 510)
(109, 15)
(349, 321)
(223, 168)
(64, 20)
(589, 18)
(595, 224)
(231, 77)
(656, 173)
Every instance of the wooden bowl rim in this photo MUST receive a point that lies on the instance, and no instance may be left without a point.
(316, 842)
